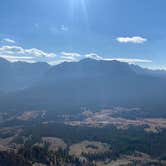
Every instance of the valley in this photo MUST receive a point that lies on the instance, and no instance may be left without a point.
(48, 120)
(82, 83)
(92, 137)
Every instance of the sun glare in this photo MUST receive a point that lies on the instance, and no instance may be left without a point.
(79, 4)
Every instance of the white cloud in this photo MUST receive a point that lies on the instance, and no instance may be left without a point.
(128, 60)
(18, 58)
(58, 30)
(70, 54)
(19, 51)
(64, 28)
(132, 60)
(68, 58)
(97, 57)
(59, 61)
(39, 53)
(134, 39)
(93, 56)
(36, 25)
(7, 40)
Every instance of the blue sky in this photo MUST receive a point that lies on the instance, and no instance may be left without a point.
(69, 30)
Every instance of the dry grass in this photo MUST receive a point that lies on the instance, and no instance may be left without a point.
(104, 118)
(88, 147)
(130, 160)
(30, 115)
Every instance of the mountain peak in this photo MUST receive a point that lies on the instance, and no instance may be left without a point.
(88, 60)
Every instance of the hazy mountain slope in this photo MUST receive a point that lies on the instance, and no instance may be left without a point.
(101, 82)
(6, 76)
(145, 71)
(92, 83)
(19, 75)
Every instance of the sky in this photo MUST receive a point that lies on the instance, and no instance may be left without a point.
(55, 31)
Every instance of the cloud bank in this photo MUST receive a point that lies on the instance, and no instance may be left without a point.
(17, 53)
(128, 60)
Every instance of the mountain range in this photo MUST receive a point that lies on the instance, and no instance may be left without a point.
(89, 83)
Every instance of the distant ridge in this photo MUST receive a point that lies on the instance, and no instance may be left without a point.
(88, 82)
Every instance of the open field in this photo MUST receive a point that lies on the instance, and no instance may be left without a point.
(30, 115)
(105, 117)
(137, 158)
(88, 147)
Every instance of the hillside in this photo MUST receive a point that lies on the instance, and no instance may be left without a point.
(88, 83)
